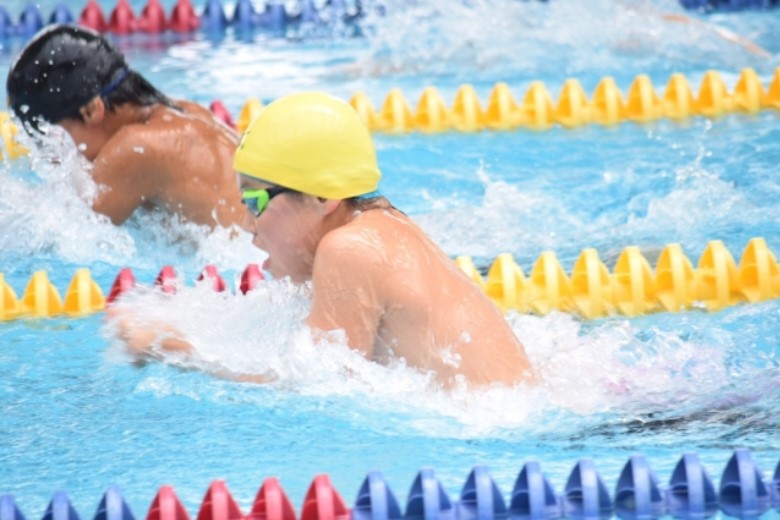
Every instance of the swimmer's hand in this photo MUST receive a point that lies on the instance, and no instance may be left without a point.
(144, 338)
(147, 340)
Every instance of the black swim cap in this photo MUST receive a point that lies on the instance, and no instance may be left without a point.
(59, 71)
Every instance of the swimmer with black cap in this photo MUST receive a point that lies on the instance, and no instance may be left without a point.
(147, 150)
(309, 176)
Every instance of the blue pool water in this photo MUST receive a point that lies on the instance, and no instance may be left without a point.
(77, 414)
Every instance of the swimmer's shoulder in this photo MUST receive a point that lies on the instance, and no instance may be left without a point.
(187, 119)
(353, 251)
(395, 228)
(167, 129)
(200, 115)
(376, 228)
(132, 145)
(355, 241)
(373, 246)
(383, 220)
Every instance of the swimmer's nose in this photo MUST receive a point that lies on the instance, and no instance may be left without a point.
(248, 222)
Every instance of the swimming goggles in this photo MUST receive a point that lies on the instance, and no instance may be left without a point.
(257, 200)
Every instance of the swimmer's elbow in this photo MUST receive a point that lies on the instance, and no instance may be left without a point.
(117, 216)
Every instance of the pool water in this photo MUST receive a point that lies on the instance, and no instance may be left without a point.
(77, 414)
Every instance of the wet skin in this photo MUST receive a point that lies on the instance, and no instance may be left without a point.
(378, 277)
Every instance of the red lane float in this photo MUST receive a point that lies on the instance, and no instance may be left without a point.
(211, 273)
(220, 110)
(251, 276)
(152, 18)
(124, 282)
(183, 17)
(123, 20)
(323, 502)
(271, 503)
(92, 17)
(218, 504)
(166, 506)
(167, 280)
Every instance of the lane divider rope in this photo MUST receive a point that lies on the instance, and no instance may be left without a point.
(633, 288)
(743, 492)
(537, 111)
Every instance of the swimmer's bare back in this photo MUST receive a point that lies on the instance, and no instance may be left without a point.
(177, 160)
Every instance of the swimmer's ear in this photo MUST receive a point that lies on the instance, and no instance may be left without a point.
(328, 205)
(93, 112)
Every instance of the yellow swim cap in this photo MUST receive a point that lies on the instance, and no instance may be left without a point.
(312, 143)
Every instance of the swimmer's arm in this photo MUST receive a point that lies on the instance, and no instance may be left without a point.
(146, 340)
(124, 176)
(727, 35)
(141, 338)
(344, 291)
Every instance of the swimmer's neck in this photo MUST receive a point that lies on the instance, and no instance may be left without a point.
(127, 114)
(99, 124)
(337, 218)
(346, 214)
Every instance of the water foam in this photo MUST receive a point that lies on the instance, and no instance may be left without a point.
(590, 374)
(442, 37)
(45, 211)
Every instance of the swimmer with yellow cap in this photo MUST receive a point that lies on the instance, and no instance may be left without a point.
(309, 176)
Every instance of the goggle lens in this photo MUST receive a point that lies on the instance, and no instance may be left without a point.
(255, 200)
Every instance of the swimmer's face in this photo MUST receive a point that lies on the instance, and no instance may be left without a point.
(286, 230)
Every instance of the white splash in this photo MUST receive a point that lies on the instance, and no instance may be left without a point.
(612, 367)
(45, 210)
(460, 38)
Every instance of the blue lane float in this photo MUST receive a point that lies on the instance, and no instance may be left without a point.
(585, 496)
(428, 499)
(775, 488)
(729, 5)
(638, 495)
(113, 506)
(275, 16)
(8, 509)
(375, 500)
(60, 508)
(30, 21)
(690, 494)
(743, 493)
(61, 14)
(480, 497)
(533, 497)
